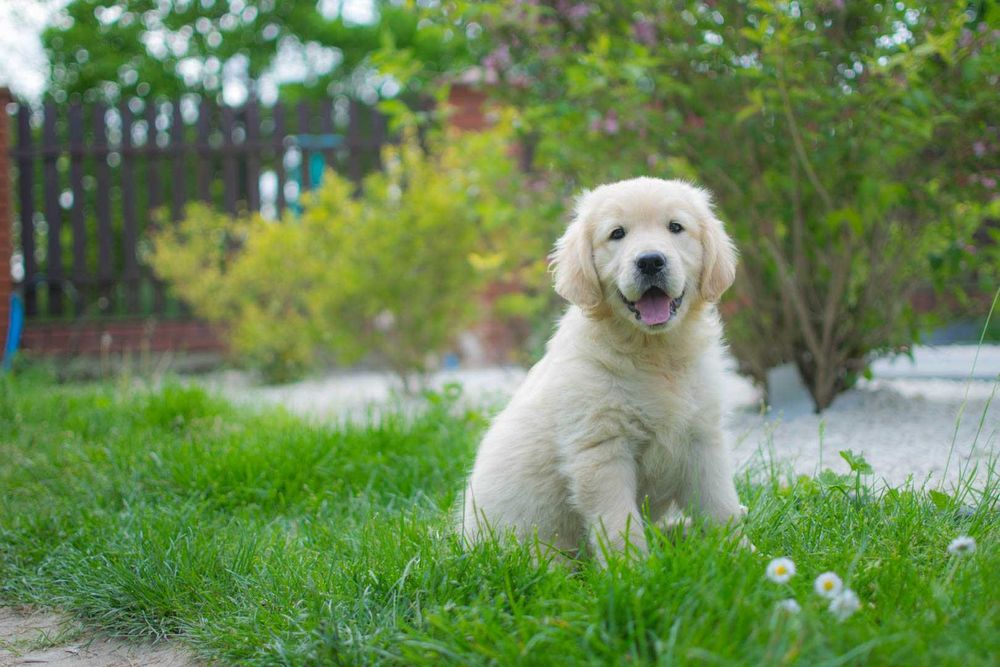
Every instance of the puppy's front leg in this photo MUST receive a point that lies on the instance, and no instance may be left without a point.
(602, 481)
(710, 490)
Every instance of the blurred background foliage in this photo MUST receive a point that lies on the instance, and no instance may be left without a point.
(388, 274)
(853, 148)
(298, 49)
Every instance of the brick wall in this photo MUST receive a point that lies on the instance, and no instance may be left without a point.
(466, 107)
(496, 340)
(6, 218)
(117, 337)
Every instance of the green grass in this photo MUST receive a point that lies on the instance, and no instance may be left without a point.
(260, 538)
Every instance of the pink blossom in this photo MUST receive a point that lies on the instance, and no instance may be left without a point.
(498, 59)
(611, 123)
(607, 123)
(644, 32)
(574, 13)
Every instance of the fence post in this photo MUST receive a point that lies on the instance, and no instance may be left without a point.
(6, 219)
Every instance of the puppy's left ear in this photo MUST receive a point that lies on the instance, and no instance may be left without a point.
(573, 262)
(719, 264)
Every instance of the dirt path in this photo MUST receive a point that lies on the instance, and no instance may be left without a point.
(31, 637)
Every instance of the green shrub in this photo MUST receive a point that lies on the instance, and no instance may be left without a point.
(390, 273)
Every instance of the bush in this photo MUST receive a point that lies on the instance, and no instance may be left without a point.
(391, 272)
(853, 147)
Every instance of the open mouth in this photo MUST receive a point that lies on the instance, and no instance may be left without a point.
(654, 307)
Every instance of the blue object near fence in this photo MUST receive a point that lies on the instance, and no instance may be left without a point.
(308, 173)
(14, 329)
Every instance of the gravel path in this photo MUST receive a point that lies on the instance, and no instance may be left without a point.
(904, 427)
(903, 421)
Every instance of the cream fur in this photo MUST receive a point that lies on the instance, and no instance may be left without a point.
(617, 415)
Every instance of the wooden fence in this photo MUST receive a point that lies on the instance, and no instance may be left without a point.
(91, 182)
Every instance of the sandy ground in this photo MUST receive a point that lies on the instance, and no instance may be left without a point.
(29, 637)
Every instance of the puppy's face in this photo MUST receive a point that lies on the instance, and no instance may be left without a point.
(644, 250)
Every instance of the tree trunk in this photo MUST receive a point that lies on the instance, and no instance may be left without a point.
(821, 379)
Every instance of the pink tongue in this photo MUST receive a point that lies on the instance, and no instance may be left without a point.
(653, 307)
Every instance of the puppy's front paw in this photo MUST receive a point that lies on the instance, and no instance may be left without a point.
(676, 527)
(737, 534)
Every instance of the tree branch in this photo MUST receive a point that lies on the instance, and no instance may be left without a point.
(801, 308)
(793, 128)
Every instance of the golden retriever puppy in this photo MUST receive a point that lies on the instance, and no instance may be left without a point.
(623, 412)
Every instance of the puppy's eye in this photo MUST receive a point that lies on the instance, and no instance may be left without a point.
(675, 227)
(617, 234)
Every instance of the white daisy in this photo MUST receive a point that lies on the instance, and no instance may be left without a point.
(844, 604)
(963, 545)
(780, 570)
(828, 584)
(789, 605)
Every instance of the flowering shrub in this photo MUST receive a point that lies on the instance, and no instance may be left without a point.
(853, 147)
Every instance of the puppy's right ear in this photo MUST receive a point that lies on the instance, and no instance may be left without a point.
(573, 262)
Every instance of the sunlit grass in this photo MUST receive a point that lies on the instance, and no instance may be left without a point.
(262, 538)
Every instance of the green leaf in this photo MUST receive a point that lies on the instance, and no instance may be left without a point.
(831, 480)
(940, 500)
(857, 462)
(746, 112)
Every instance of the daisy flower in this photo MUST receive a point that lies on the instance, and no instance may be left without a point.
(789, 605)
(780, 570)
(844, 604)
(963, 545)
(828, 585)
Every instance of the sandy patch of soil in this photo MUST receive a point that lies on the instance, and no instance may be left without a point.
(31, 637)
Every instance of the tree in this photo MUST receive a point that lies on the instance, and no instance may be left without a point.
(853, 146)
(106, 50)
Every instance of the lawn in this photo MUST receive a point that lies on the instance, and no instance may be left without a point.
(261, 538)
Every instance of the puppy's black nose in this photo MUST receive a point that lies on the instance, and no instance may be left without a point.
(651, 263)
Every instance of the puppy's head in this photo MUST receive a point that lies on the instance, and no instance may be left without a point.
(644, 250)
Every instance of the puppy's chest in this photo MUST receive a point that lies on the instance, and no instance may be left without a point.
(659, 412)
